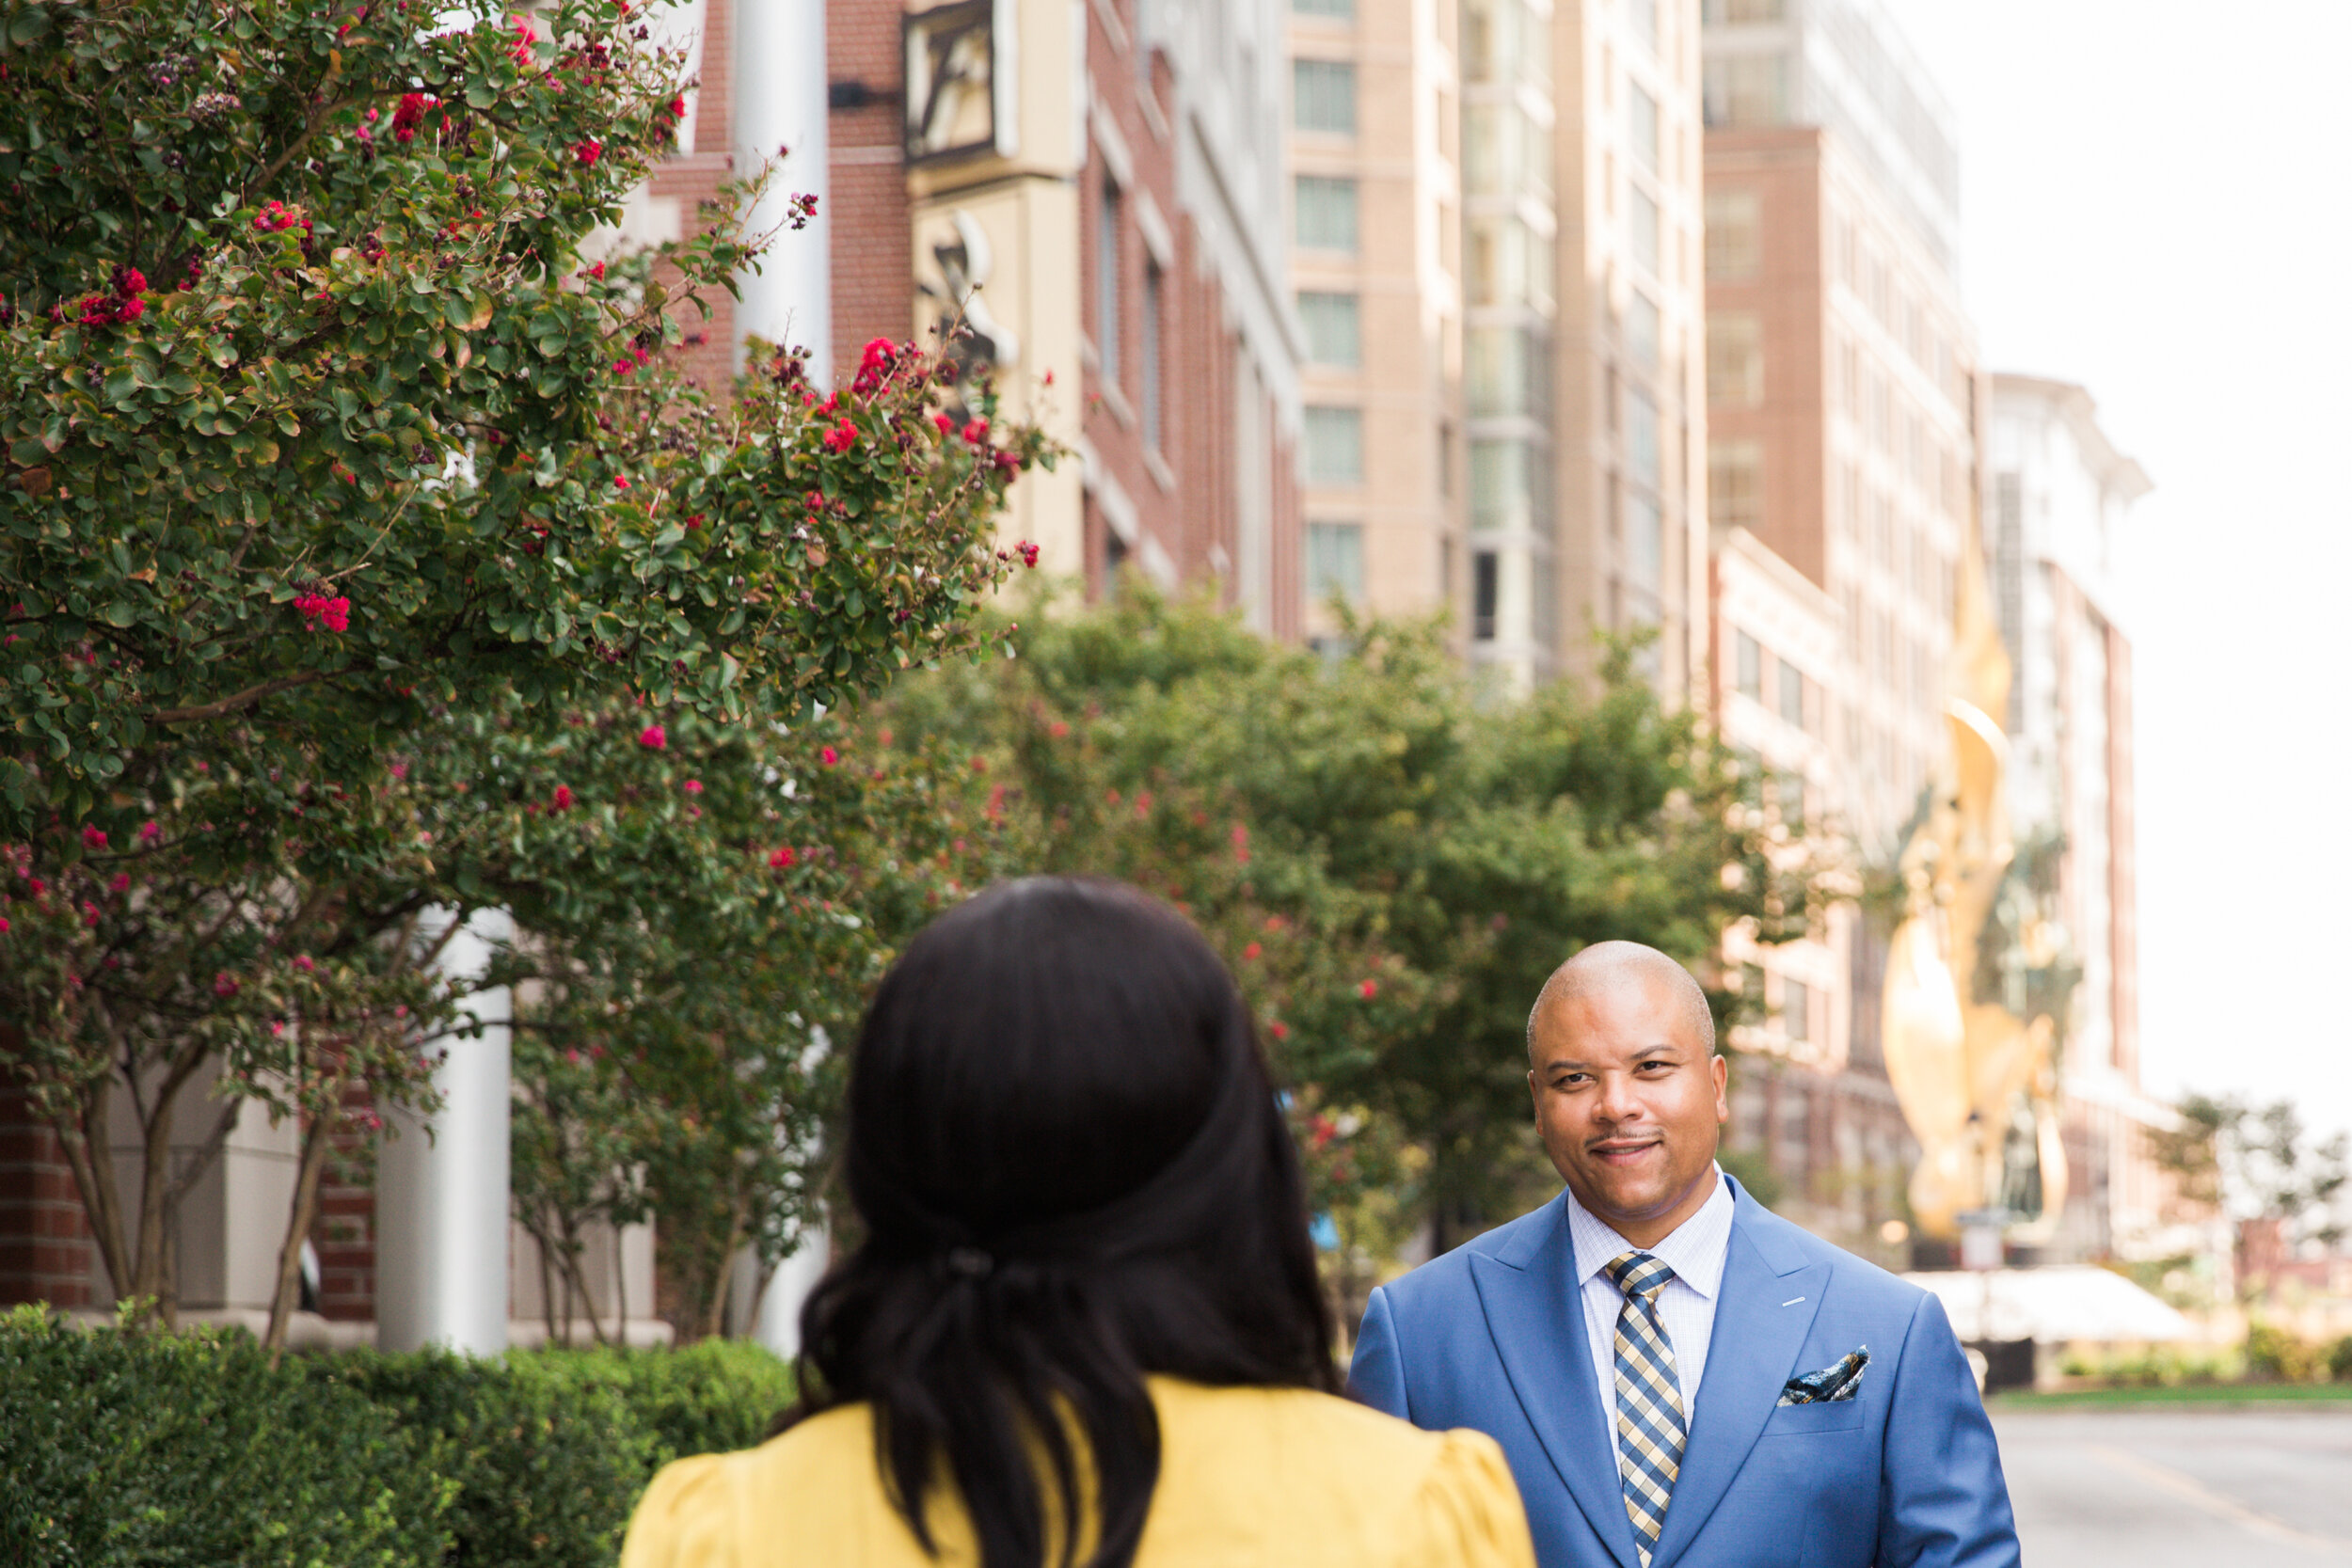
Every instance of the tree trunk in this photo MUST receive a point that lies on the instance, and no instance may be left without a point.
(93, 1164)
(317, 1142)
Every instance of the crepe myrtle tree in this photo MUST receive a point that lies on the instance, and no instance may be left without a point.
(705, 908)
(316, 431)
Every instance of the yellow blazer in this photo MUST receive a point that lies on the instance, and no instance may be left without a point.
(1250, 1477)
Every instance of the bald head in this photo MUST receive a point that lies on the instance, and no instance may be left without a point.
(1607, 966)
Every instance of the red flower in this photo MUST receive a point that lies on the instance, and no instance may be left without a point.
(1027, 553)
(694, 787)
(35, 886)
(624, 366)
(1058, 729)
(841, 437)
(946, 426)
(562, 801)
(595, 272)
(619, 482)
(1251, 951)
(4, 926)
(654, 737)
(150, 832)
(324, 613)
(224, 984)
(1369, 990)
(130, 282)
(302, 961)
(979, 765)
(588, 151)
(410, 115)
(93, 838)
(782, 859)
(977, 432)
(829, 756)
(695, 520)
(1279, 1031)
(121, 882)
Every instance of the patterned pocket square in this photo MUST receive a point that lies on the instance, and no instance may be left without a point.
(1833, 1385)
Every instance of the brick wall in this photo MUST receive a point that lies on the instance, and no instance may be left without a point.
(873, 240)
(46, 1252)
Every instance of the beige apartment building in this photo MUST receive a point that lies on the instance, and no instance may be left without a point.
(1376, 269)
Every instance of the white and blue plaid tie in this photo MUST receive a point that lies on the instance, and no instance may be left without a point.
(1651, 1425)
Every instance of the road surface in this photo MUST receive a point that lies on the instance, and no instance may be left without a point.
(2180, 1487)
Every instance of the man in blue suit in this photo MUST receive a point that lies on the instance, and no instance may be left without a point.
(1680, 1378)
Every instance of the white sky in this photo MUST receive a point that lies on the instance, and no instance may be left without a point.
(2157, 203)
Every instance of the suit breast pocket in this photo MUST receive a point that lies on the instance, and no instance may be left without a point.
(1806, 1420)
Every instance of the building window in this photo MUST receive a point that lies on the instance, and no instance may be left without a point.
(1642, 15)
(1335, 562)
(1326, 211)
(1796, 1010)
(1644, 549)
(1323, 96)
(1641, 228)
(1106, 258)
(1335, 446)
(1791, 694)
(1734, 236)
(1641, 330)
(1746, 89)
(1735, 483)
(1641, 437)
(1334, 330)
(1750, 673)
(1641, 127)
(1735, 359)
(1154, 288)
(1485, 589)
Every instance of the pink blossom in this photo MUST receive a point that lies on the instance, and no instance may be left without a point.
(93, 838)
(278, 1027)
(977, 432)
(841, 437)
(1027, 553)
(829, 756)
(979, 765)
(620, 483)
(303, 963)
(694, 787)
(1279, 1031)
(150, 832)
(121, 882)
(1251, 951)
(784, 858)
(588, 151)
(324, 613)
(4, 926)
(654, 737)
(562, 801)
(35, 886)
(224, 984)
(1369, 990)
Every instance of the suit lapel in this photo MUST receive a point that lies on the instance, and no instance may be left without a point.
(1535, 1312)
(1751, 1355)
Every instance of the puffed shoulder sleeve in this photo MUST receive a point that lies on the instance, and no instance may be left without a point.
(686, 1519)
(1468, 1515)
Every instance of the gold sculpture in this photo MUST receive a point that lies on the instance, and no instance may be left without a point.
(1977, 1081)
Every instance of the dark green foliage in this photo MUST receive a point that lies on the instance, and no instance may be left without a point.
(124, 1449)
(147, 1448)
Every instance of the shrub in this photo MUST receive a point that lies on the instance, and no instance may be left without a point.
(127, 1447)
(2340, 1360)
(152, 1448)
(2274, 1355)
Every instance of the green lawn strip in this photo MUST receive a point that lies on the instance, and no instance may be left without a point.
(2206, 1394)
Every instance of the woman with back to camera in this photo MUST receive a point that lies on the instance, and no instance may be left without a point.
(1083, 1329)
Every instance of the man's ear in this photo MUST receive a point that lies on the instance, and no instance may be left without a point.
(1720, 1067)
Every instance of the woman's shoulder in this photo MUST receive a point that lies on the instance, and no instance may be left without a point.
(1334, 1474)
(725, 1510)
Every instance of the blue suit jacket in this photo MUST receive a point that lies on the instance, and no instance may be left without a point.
(1906, 1475)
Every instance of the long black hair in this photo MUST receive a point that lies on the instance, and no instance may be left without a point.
(1072, 1172)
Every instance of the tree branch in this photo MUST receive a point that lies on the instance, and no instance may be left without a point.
(251, 697)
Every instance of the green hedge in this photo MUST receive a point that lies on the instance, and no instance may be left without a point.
(122, 1448)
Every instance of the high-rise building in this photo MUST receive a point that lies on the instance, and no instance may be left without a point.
(1376, 263)
(1843, 410)
(1096, 193)
(2057, 502)
(1581, 172)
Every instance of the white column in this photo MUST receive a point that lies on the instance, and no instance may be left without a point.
(442, 1200)
(779, 100)
(779, 1325)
